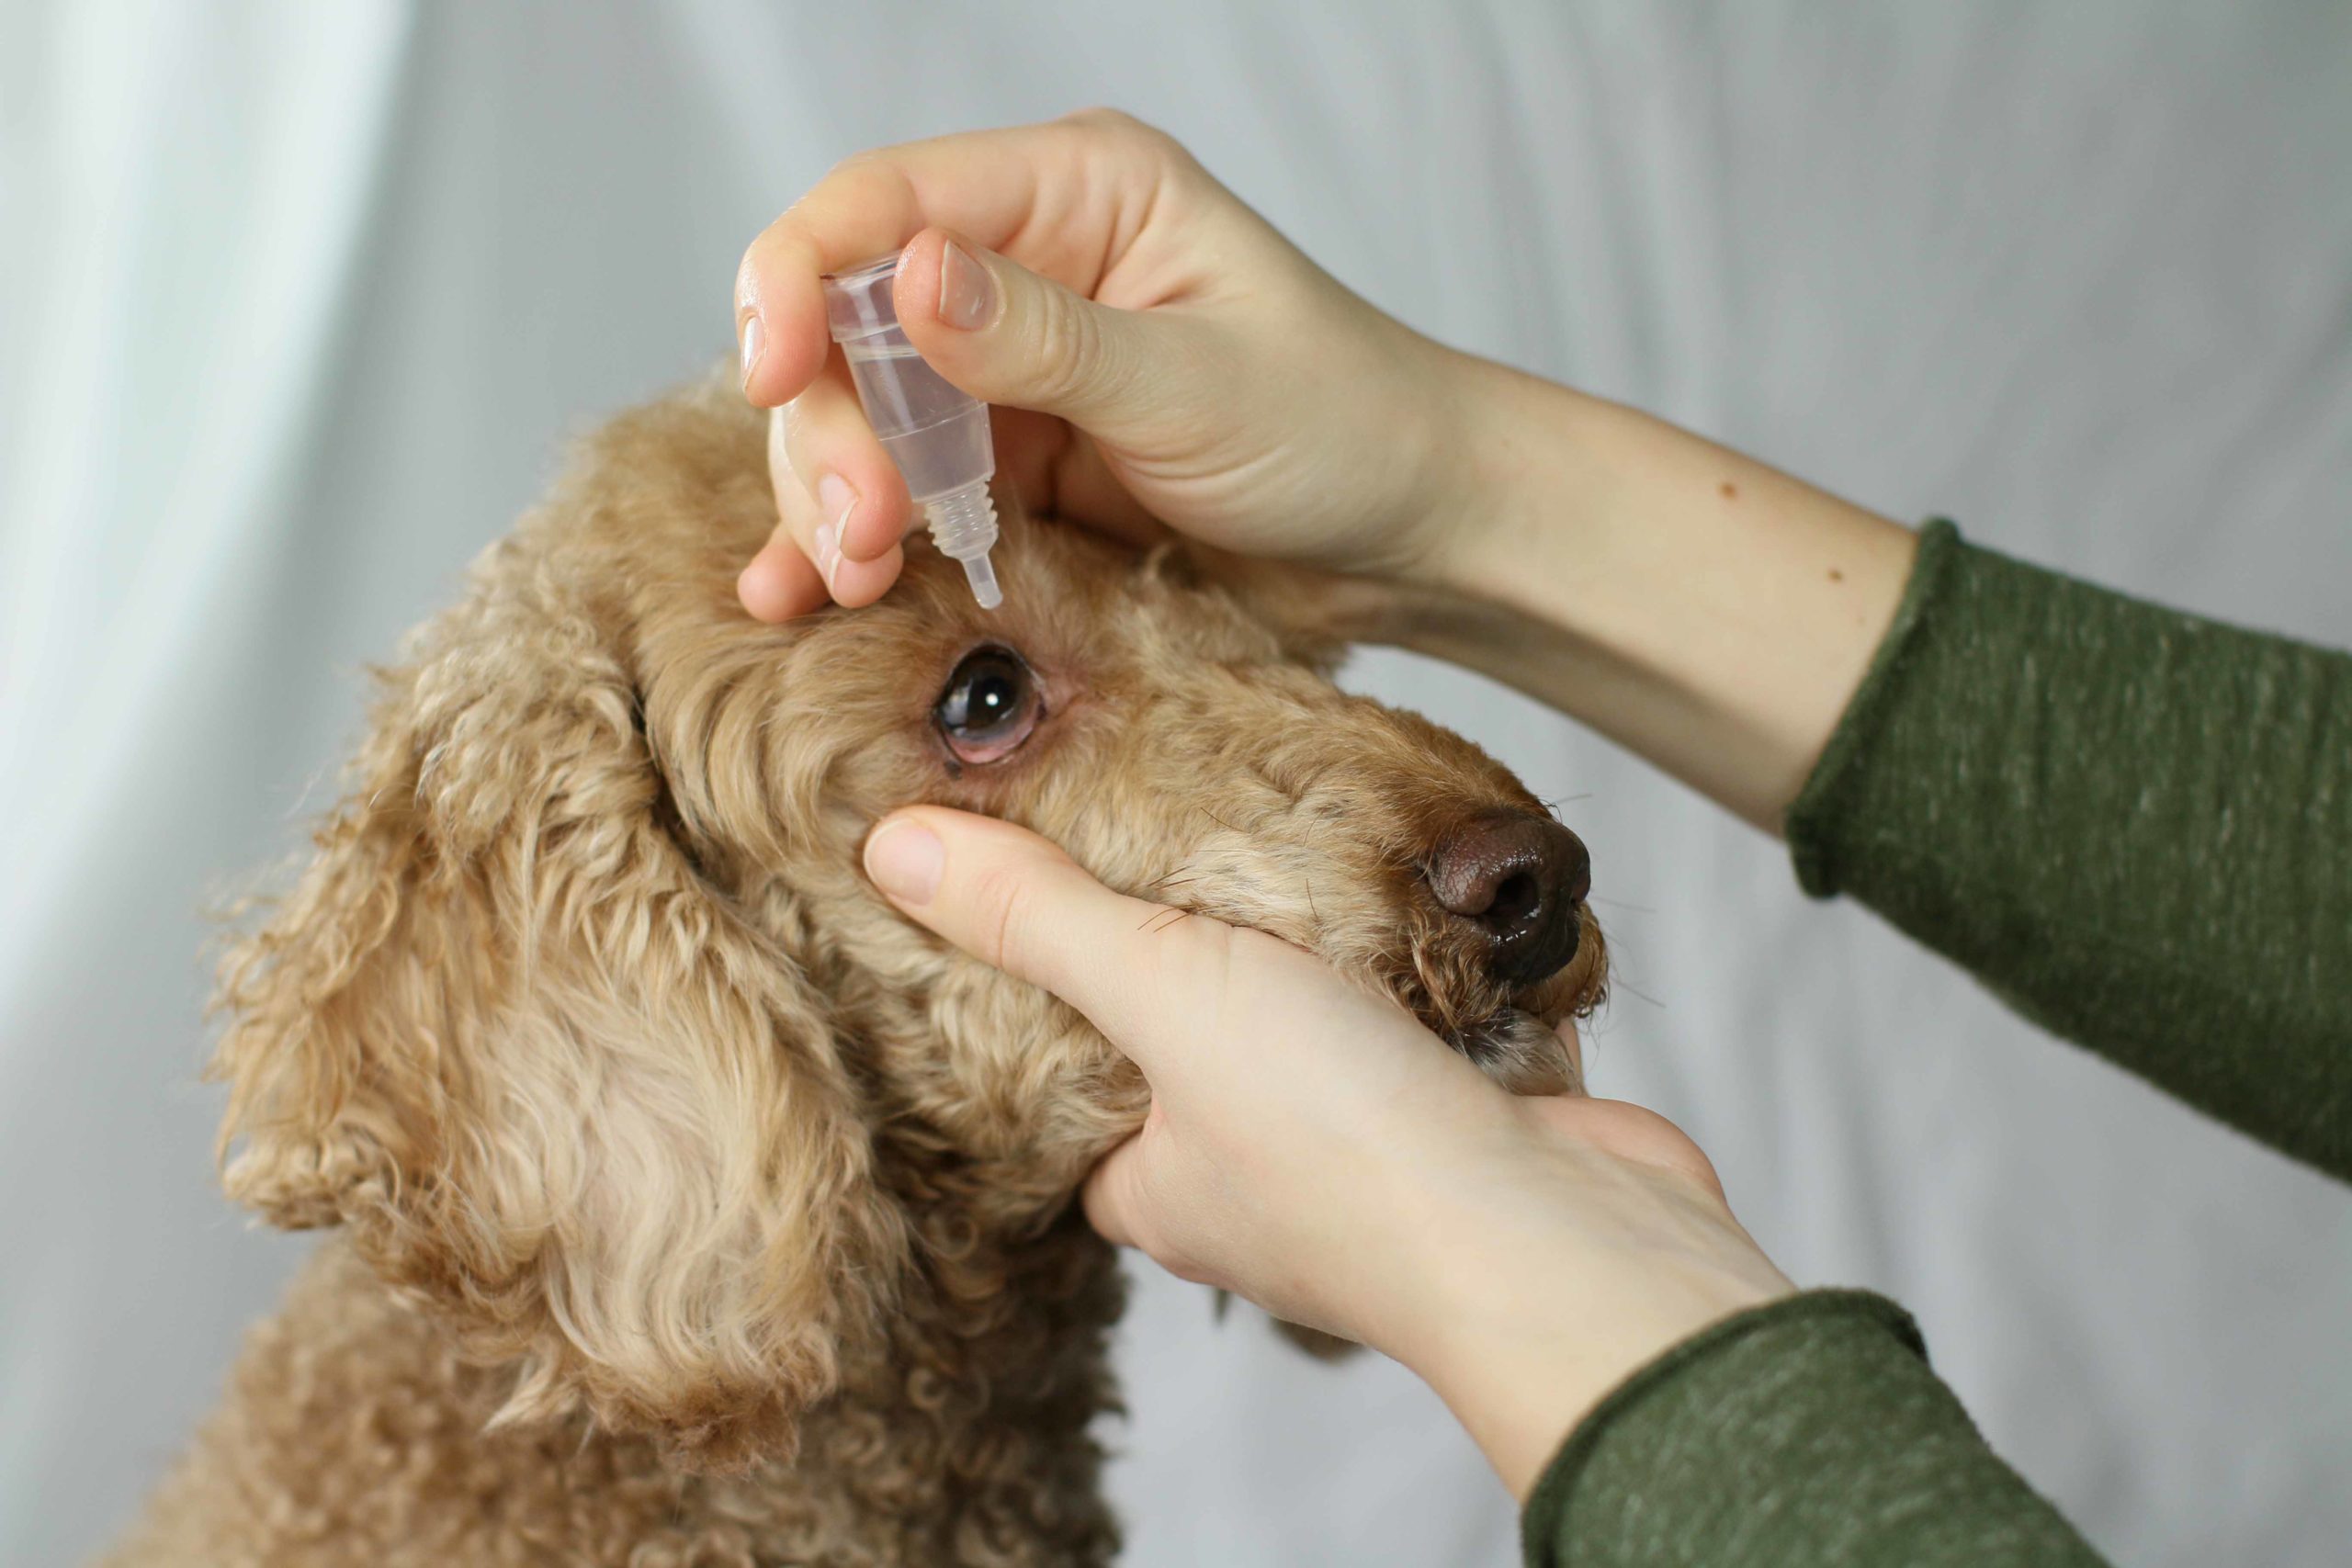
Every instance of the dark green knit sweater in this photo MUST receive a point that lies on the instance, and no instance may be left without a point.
(2136, 828)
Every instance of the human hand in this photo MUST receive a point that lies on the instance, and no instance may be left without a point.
(1159, 356)
(1162, 357)
(1311, 1147)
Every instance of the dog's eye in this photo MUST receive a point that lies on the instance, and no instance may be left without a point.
(990, 706)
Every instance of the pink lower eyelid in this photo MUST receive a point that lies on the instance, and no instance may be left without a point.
(993, 750)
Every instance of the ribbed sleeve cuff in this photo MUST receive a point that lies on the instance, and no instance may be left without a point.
(1809, 820)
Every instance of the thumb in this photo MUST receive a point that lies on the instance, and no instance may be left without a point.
(1009, 335)
(1138, 971)
(1124, 1210)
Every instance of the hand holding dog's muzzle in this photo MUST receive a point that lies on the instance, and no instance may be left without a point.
(1312, 1147)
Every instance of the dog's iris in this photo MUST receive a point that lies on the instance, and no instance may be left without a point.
(990, 706)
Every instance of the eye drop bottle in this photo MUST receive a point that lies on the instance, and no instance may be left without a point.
(937, 436)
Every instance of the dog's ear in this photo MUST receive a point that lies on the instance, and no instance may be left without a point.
(505, 1032)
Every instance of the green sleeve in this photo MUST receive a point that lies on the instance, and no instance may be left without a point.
(2132, 824)
(2136, 828)
(1808, 1431)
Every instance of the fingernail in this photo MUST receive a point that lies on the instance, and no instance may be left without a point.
(904, 858)
(966, 291)
(836, 499)
(829, 553)
(755, 339)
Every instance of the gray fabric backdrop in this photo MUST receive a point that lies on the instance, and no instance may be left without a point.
(296, 302)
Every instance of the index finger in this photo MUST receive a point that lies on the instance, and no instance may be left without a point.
(1141, 973)
(1032, 191)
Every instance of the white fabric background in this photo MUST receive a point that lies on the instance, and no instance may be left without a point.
(296, 302)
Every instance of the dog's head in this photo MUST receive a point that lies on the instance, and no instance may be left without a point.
(586, 1021)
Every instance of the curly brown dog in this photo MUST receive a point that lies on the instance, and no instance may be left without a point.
(696, 1208)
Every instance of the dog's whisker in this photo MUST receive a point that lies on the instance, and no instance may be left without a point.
(1619, 983)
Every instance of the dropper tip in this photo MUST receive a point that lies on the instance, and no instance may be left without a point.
(982, 577)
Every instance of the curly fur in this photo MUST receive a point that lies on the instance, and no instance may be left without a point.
(695, 1207)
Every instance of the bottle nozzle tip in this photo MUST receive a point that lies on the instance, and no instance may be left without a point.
(982, 577)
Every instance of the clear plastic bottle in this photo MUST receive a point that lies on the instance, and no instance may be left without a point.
(937, 436)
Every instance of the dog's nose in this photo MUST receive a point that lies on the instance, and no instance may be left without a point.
(1520, 878)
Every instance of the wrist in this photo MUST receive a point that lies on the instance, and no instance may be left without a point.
(1526, 533)
(1550, 1276)
(1512, 485)
(1500, 496)
(1701, 608)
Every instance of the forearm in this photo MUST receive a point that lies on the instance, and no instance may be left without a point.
(1664, 1397)
(1519, 1291)
(1707, 612)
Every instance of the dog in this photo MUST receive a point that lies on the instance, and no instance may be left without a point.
(693, 1206)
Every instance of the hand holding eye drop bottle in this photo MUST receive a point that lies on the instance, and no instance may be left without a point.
(937, 436)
